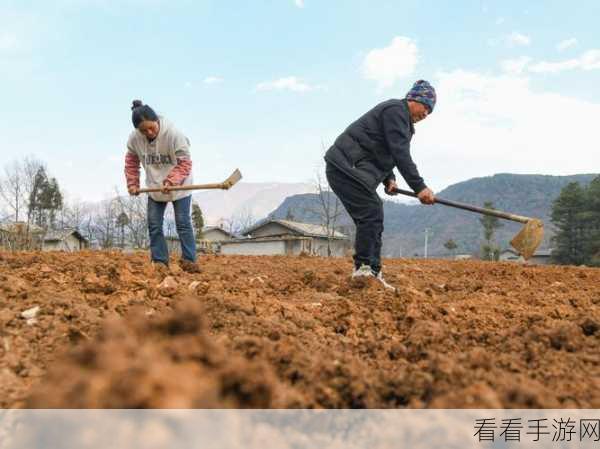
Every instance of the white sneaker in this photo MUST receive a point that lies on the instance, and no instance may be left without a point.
(363, 271)
(384, 283)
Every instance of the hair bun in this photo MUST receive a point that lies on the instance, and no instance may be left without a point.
(136, 104)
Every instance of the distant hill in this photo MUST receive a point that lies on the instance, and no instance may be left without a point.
(529, 195)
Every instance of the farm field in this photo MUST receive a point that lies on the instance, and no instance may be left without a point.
(106, 330)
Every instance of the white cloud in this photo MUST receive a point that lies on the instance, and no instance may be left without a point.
(567, 43)
(518, 39)
(299, 3)
(291, 83)
(515, 66)
(590, 60)
(486, 124)
(212, 80)
(389, 64)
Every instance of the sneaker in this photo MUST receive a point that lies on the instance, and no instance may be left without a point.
(363, 271)
(384, 283)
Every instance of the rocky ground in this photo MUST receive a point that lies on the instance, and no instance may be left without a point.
(105, 329)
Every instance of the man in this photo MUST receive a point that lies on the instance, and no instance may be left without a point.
(364, 156)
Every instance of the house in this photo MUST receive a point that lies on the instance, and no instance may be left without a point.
(209, 242)
(211, 239)
(285, 237)
(65, 240)
(540, 257)
(21, 236)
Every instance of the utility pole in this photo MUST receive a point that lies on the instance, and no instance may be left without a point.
(426, 241)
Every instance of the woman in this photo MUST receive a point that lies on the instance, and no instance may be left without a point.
(164, 153)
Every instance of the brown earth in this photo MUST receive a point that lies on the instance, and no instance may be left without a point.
(294, 332)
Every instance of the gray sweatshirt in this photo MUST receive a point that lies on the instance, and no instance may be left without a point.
(166, 157)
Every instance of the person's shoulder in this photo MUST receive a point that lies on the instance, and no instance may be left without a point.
(171, 131)
(395, 107)
(392, 103)
(133, 140)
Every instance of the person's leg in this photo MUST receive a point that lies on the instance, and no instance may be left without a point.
(366, 210)
(158, 245)
(376, 261)
(185, 231)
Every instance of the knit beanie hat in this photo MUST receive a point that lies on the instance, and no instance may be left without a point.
(423, 92)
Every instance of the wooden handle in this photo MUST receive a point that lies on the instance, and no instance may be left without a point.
(188, 187)
(479, 210)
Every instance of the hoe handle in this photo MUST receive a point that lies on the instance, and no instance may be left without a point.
(479, 210)
(188, 187)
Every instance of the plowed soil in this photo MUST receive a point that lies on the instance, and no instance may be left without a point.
(295, 332)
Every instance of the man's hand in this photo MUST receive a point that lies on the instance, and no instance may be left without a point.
(426, 196)
(133, 190)
(390, 186)
(165, 187)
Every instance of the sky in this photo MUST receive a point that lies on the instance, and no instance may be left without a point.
(267, 86)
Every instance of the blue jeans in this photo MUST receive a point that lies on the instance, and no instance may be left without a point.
(183, 222)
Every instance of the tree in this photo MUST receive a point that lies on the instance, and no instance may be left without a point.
(568, 218)
(592, 218)
(12, 188)
(329, 209)
(45, 200)
(137, 226)
(450, 245)
(122, 221)
(240, 221)
(489, 250)
(197, 220)
(53, 201)
(104, 223)
(17, 183)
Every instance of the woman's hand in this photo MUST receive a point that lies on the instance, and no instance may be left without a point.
(166, 186)
(133, 190)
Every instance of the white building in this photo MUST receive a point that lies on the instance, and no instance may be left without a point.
(211, 239)
(284, 237)
(540, 257)
(209, 242)
(65, 240)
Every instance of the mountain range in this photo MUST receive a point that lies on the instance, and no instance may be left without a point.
(406, 224)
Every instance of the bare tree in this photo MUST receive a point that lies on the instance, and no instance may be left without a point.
(104, 225)
(17, 184)
(239, 221)
(137, 225)
(328, 209)
(12, 189)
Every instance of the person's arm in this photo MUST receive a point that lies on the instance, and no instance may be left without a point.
(182, 170)
(396, 129)
(132, 170)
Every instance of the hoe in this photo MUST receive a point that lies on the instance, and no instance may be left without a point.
(527, 239)
(225, 185)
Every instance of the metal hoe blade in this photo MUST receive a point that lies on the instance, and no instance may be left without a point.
(232, 180)
(529, 238)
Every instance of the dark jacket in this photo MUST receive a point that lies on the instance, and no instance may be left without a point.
(370, 148)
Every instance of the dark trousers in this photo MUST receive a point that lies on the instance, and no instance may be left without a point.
(366, 209)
